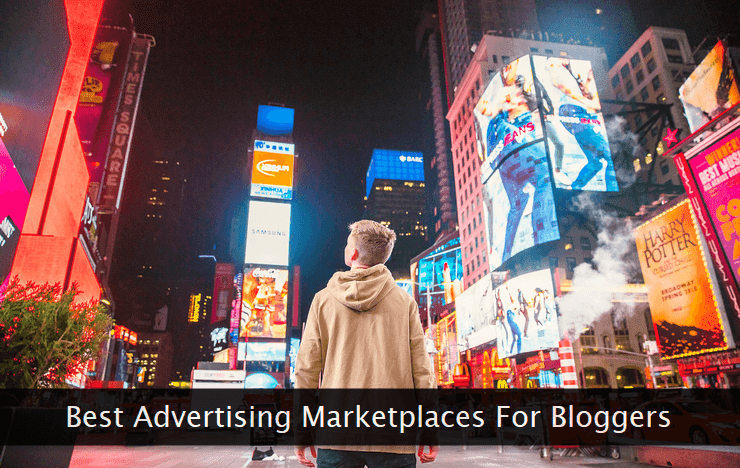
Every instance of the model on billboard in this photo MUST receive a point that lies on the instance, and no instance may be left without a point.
(363, 331)
(531, 296)
(510, 150)
(575, 114)
(264, 299)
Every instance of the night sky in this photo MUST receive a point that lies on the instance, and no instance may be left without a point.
(350, 71)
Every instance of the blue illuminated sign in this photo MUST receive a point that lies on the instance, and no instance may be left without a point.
(394, 165)
(273, 120)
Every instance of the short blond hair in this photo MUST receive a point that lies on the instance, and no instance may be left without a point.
(373, 241)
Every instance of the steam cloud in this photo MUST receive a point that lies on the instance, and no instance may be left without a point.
(625, 148)
(613, 265)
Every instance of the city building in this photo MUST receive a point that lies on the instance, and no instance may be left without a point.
(156, 352)
(150, 248)
(651, 71)
(440, 182)
(464, 23)
(395, 197)
(491, 55)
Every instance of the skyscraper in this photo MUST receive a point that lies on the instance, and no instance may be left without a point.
(442, 209)
(395, 198)
(464, 22)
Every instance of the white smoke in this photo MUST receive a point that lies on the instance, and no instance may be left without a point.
(613, 266)
(625, 147)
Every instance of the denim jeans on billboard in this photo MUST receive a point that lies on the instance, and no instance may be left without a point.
(326, 458)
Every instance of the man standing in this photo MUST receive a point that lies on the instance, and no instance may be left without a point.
(363, 332)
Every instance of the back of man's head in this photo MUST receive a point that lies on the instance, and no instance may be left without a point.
(373, 241)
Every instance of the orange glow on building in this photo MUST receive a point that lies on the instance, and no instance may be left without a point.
(48, 250)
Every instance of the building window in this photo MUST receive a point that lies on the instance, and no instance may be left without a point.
(615, 81)
(549, 51)
(664, 167)
(596, 377)
(625, 71)
(585, 243)
(671, 44)
(636, 163)
(629, 377)
(621, 334)
(646, 49)
(588, 341)
(495, 59)
(554, 262)
(533, 49)
(567, 242)
(644, 94)
(620, 96)
(571, 263)
(505, 59)
(660, 99)
(651, 66)
(635, 61)
(638, 120)
(628, 87)
(639, 76)
(656, 83)
(675, 58)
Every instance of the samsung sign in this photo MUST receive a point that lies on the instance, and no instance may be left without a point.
(394, 165)
(268, 233)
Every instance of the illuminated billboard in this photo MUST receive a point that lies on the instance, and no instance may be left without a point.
(195, 311)
(710, 89)
(222, 290)
(574, 125)
(476, 317)
(394, 165)
(264, 303)
(683, 303)
(519, 205)
(526, 319)
(716, 171)
(273, 120)
(446, 342)
(99, 95)
(268, 233)
(272, 170)
(440, 274)
(262, 351)
(13, 204)
(295, 345)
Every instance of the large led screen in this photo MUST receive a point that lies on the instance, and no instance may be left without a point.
(262, 351)
(717, 174)
(272, 170)
(440, 276)
(264, 303)
(683, 305)
(446, 342)
(518, 199)
(710, 89)
(13, 204)
(476, 317)
(574, 125)
(394, 165)
(268, 233)
(526, 319)
(273, 120)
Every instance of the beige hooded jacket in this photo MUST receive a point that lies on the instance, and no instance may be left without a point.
(363, 331)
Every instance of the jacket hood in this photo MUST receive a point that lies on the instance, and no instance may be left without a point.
(361, 290)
